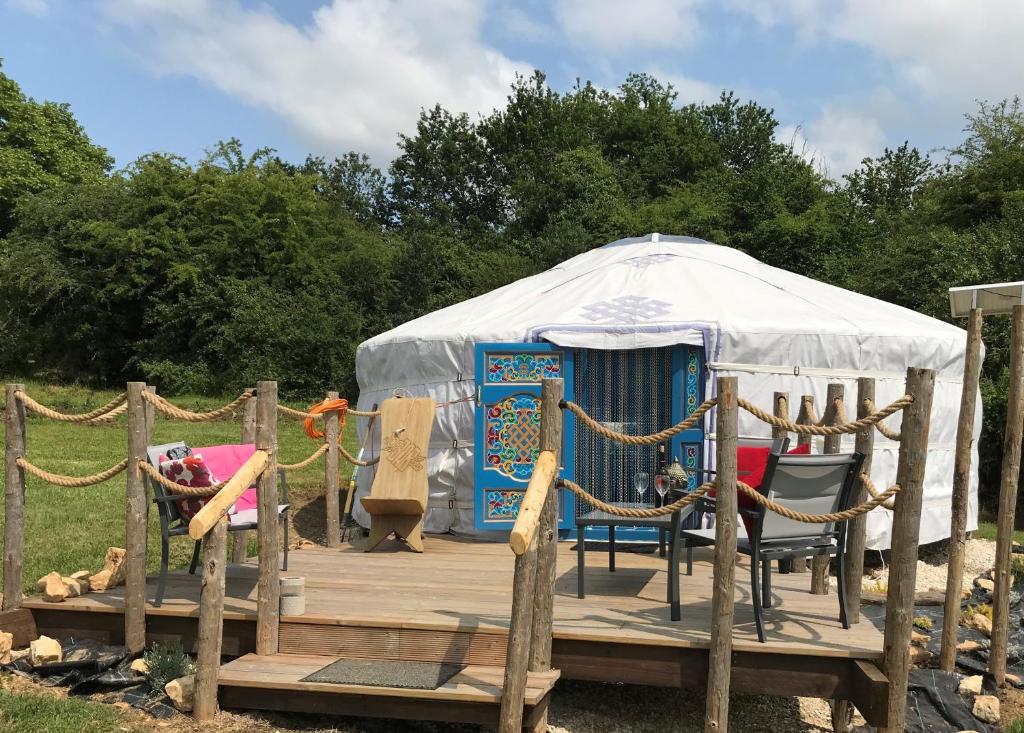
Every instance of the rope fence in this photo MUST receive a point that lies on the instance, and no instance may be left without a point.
(883, 429)
(653, 438)
(843, 428)
(70, 482)
(306, 461)
(177, 413)
(636, 512)
(104, 411)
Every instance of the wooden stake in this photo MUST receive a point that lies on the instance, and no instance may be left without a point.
(136, 523)
(547, 535)
(268, 589)
(819, 565)
(150, 416)
(781, 402)
(332, 500)
(518, 651)
(1008, 501)
(857, 528)
(716, 715)
(240, 542)
(961, 485)
(804, 417)
(906, 525)
(211, 620)
(14, 497)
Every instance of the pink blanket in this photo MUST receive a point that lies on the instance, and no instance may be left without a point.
(223, 461)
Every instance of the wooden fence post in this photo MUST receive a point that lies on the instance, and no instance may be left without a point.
(857, 527)
(805, 416)
(269, 591)
(14, 497)
(819, 565)
(1008, 500)
(332, 500)
(906, 526)
(518, 650)
(961, 484)
(547, 536)
(780, 401)
(211, 620)
(136, 523)
(240, 540)
(716, 715)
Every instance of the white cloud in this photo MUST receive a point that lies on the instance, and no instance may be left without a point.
(514, 22)
(352, 78)
(616, 26)
(837, 140)
(951, 51)
(38, 8)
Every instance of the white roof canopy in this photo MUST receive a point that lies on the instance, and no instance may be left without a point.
(993, 299)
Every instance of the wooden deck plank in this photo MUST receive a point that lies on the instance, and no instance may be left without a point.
(459, 585)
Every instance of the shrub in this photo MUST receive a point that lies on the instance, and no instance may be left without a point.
(167, 662)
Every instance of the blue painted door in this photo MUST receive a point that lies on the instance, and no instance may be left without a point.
(507, 436)
(688, 381)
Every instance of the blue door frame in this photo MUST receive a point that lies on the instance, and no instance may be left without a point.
(507, 431)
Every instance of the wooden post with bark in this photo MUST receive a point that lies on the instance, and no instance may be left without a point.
(332, 499)
(240, 540)
(268, 588)
(1008, 500)
(716, 715)
(856, 529)
(805, 416)
(136, 523)
(961, 488)
(211, 620)
(906, 525)
(835, 397)
(14, 497)
(547, 535)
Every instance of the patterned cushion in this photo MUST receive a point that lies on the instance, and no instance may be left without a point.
(189, 471)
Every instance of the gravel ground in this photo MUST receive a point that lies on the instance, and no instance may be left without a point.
(933, 562)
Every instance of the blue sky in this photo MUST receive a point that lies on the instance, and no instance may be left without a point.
(846, 77)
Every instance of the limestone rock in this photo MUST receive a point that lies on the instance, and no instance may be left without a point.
(971, 685)
(985, 584)
(17, 654)
(73, 587)
(53, 588)
(140, 666)
(919, 639)
(919, 655)
(112, 574)
(45, 650)
(969, 646)
(82, 576)
(982, 623)
(6, 644)
(986, 708)
(182, 692)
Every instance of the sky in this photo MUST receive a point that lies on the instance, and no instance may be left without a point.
(846, 78)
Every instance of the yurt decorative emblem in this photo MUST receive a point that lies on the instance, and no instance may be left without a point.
(403, 454)
(626, 308)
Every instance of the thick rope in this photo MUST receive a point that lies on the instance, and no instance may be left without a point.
(45, 411)
(109, 417)
(841, 516)
(883, 429)
(622, 511)
(355, 461)
(364, 413)
(71, 482)
(870, 486)
(177, 413)
(853, 426)
(302, 464)
(651, 439)
(292, 413)
(150, 470)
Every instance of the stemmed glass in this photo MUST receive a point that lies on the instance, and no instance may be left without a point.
(661, 486)
(640, 480)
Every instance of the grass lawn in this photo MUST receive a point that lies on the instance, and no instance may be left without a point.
(987, 530)
(70, 529)
(27, 712)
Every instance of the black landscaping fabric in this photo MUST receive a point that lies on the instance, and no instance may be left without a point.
(386, 673)
(90, 667)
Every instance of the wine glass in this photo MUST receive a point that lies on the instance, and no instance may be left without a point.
(661, 486)
(640, 480)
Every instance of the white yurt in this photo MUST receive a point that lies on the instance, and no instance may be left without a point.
(639, 329)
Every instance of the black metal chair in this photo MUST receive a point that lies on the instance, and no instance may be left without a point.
(812, 484)
(173, 524)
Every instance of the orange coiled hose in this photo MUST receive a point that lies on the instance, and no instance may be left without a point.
(341, 405)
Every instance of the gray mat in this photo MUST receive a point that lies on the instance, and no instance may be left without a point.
(375, 673)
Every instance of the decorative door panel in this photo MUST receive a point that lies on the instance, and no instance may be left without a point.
(688, 380)
(507, 438)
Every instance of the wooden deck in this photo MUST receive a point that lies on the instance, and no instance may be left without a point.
(452, 603)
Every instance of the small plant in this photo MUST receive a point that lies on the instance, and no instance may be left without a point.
(1017, 571)
(1016, 726)
(167, 662)
(876, 586)
(924, 623)
(985, 609)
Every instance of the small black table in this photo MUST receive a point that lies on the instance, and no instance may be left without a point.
(665, 524)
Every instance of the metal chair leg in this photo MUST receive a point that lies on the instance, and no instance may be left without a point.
(766, 583)
(755, 594)
(161, 583)
(284, 518)
(844, 615)
(195, 558)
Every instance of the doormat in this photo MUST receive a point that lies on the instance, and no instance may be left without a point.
(386, 673)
